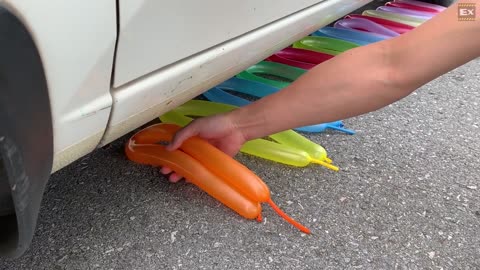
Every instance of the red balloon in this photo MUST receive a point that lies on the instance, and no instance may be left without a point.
(300, 58)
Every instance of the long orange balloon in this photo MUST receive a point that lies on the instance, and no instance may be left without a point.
(218, 174)
(216, 161)
(192, 170)
(213, 171)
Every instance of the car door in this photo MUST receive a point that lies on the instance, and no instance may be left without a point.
(154, 34)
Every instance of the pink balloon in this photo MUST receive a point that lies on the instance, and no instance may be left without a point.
(409, 12)
(365, 25)
(412, 7)
(392, 25)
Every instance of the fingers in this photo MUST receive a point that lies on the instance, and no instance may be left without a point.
(174, 177)
(183, 134)
(165, 170)
(179, 137)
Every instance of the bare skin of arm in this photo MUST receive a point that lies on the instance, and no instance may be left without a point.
(356, 82)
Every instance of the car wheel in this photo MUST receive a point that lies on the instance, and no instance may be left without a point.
(6, 203)
(26, 135)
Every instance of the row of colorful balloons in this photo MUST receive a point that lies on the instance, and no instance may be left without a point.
(354, 30)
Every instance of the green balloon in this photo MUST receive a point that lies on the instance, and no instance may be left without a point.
(326, 45)
(271, 73)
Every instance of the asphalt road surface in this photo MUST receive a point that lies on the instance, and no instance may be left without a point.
(407, 197)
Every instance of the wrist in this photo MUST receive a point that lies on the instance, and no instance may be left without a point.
(248, 122)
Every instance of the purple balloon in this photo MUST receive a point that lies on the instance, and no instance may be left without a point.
(361, 23)
(408, 12)
(422, 4)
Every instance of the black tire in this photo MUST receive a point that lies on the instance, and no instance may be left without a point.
(6, 202)
(26, 135)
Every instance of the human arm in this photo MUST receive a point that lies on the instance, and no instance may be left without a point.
(366, 78)
(355, 82)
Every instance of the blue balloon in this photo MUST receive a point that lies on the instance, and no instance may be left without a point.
(355, 36)
(256, 89)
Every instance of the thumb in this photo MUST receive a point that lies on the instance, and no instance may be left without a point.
(183, 134)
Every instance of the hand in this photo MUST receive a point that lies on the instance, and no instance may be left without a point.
(219, 130)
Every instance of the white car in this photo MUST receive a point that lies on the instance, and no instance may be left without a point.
(78, 74)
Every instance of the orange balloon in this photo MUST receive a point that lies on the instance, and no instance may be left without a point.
(221, 164)
(210, 169)
(194, 171)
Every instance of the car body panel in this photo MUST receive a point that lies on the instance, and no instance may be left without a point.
(76, 40)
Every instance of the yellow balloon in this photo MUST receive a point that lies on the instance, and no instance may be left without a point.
(405, 19)
(290, 147)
